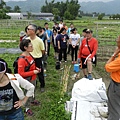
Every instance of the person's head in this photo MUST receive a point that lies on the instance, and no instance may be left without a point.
(26, 45)
(74, 30)
(46, 25)
(4, 67)
(89, 33)
(118, 42)
(31, 29)
(39, 29)
(54, 31)
(63, 30)
(71, 26)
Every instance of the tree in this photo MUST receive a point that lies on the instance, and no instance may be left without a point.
(67, 15)
(3, 10)
(17, 9)
(71, 7)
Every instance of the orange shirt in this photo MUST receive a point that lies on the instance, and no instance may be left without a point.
(22, 63)
(114, 69)
(84, 51)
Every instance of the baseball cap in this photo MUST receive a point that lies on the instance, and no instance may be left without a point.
(89, 31)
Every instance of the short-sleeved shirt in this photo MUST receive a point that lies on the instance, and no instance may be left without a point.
(8, 97)
(38, 46)
(74, 38)
(49, 32)
(63, 40)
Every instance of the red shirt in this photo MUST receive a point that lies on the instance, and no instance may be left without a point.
(22, 63)
(84, 51)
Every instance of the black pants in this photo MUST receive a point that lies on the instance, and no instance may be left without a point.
(38, 63)
(63, 50)
(48, 50)
(74, 51)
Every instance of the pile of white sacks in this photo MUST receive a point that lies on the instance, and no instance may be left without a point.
(88, 101)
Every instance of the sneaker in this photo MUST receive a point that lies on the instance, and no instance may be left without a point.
(35, 102)
(85, 76)
(90, 77)
(65, 61)
(29, 112)
(42, 89)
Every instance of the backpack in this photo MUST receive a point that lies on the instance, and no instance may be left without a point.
(15, 66)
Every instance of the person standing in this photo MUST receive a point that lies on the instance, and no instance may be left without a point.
(12, 97)
(85, 56)
(74, 41)
(37, 53)
(68, 33)
(62, 44)
(28, 70)
(55, 44)
(112, 66)
(49, 33)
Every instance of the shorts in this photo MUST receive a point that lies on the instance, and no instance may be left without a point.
(83, 66)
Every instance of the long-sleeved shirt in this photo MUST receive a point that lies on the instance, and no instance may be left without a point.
(84, 51)
(114, 69)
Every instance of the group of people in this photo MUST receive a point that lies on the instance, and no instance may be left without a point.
(35, 47)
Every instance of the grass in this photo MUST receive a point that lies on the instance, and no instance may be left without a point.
(52, 106)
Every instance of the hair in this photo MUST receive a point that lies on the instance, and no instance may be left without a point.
(8, 70)
(39, 28)
(43, 29)
(34, 27)
(26, 29)
(62, 29)
(24, 43)
(55, 30)
(73, 30)
(46, 24)
(84, 30)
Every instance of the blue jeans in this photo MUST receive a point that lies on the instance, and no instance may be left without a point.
(17, 115)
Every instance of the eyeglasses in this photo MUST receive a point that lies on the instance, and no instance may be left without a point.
(29, 29)
(2, 67)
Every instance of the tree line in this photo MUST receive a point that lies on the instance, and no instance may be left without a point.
(4, 9)
(67, 10)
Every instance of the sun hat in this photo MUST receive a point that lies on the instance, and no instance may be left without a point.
(22, 33)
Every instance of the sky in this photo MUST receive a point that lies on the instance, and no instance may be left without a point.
(79, 0)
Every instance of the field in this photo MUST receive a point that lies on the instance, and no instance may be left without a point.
(58, 88)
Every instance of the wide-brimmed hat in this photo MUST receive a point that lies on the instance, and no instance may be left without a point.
(22, 33)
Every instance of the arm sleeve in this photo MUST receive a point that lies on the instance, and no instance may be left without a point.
(95, 47)
(113, 66)
(21, 68)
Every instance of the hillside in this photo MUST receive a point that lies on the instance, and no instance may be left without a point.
(89, 7)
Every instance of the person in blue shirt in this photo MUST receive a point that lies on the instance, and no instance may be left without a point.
(49, 33)
(62, 44)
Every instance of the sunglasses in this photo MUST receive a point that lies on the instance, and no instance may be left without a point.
(2, 67)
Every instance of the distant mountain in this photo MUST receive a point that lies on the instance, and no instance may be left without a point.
(112, 7)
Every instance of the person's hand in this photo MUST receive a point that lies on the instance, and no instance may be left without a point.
(58, 47)
(18, 104)
(73, 46)
(117, 51)
(37, 71)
